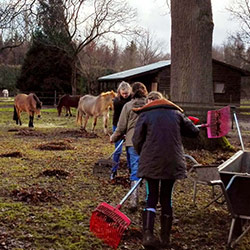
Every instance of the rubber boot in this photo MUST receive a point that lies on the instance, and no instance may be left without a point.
(166, 225)
(134, 198)
(149, 240)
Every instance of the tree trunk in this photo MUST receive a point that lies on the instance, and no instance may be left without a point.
(73, 77)
(191, 51)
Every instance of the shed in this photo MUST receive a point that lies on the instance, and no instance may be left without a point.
(156, 76)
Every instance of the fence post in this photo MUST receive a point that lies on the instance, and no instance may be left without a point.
(55, 99)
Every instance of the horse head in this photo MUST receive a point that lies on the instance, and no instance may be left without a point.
(110, 94)
(38, 105)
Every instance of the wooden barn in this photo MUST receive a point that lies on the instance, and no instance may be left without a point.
(156, 76)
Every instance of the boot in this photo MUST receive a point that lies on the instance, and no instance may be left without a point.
(149, 240)
(134, 198)
(166, 224)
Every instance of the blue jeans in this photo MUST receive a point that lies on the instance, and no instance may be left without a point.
(117, 154)
(133, 159)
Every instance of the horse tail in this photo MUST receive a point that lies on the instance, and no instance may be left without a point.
(15, 116)
(60, 102)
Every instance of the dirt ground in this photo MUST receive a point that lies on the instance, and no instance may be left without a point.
(48, 191)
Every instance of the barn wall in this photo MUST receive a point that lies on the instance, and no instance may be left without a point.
(221, 73)
(232, 80)
(164, 82)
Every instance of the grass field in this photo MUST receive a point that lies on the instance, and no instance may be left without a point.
(48, 190)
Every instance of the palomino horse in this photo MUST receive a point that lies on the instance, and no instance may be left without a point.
(95, 106)
(27, 103)
(67, 101)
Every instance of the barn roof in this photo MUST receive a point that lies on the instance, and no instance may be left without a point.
(135, 71)
(156, 66)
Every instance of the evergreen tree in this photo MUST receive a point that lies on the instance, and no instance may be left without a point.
(47, 66)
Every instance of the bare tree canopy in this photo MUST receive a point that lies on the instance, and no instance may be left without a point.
(238, 45)
(240, 11)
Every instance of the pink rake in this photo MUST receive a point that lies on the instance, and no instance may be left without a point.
(109, 223)
(218, 122)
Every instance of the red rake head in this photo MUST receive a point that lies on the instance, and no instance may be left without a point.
(109, 223)
(218, 122)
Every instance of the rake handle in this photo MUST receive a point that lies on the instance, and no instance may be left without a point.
(119, 145)
(129, 193)
(238, 129)
(202, 126)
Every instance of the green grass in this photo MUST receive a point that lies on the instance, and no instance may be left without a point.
(62, 221)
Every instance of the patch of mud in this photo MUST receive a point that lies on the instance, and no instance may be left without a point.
(33, 195)
(121, 180)
(16, 154)
(59, 173)
(59, 145)
(27, 132)
(79, 133)
(132, 235)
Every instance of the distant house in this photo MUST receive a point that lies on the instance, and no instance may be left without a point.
(156, 76)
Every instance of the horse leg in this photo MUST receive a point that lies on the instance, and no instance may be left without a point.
(70, 114)
(105, 123)
(66, 108)
(18, 117)
(85, 121)
(94, 123)
(31, 125)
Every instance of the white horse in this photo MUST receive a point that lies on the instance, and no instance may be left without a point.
(95, 106)
(5, 93)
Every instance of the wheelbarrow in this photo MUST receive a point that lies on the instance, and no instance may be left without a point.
(237, 197)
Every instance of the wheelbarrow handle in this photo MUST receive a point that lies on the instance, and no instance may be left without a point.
(116, 149)
(129, 193)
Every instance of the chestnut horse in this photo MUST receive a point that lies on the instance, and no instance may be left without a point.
(67, 101)
(27, 103)
(95, 106)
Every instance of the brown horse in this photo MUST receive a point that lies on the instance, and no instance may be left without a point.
(27, 103)
(95, 106)
(67, 101)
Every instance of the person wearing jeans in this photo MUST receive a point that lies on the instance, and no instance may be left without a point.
(158, 141)
(125, 127)
(123, 96)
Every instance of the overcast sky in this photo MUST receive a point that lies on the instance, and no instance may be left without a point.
(153, 15)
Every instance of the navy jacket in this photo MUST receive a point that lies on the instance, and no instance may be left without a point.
(118, 104)
(158, 140)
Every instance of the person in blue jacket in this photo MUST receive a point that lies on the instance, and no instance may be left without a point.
(157, 140)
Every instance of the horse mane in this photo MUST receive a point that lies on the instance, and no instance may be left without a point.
(38, 102)
(107, 93)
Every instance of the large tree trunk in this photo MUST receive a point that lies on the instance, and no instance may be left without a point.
(191, 51)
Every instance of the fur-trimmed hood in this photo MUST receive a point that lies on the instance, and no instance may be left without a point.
(159, 103)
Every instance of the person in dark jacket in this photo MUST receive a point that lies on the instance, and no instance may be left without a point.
(123, 96)
(157, 140)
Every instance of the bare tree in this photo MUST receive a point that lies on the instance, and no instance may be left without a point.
(150, 50)
(240, 11)
(191, 51)
(239, 43)
(15, 16)
(85, 21)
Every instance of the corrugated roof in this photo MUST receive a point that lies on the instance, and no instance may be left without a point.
(135, 71)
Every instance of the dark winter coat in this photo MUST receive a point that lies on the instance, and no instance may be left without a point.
(157, 139)
(127, 121)
(118, 104)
